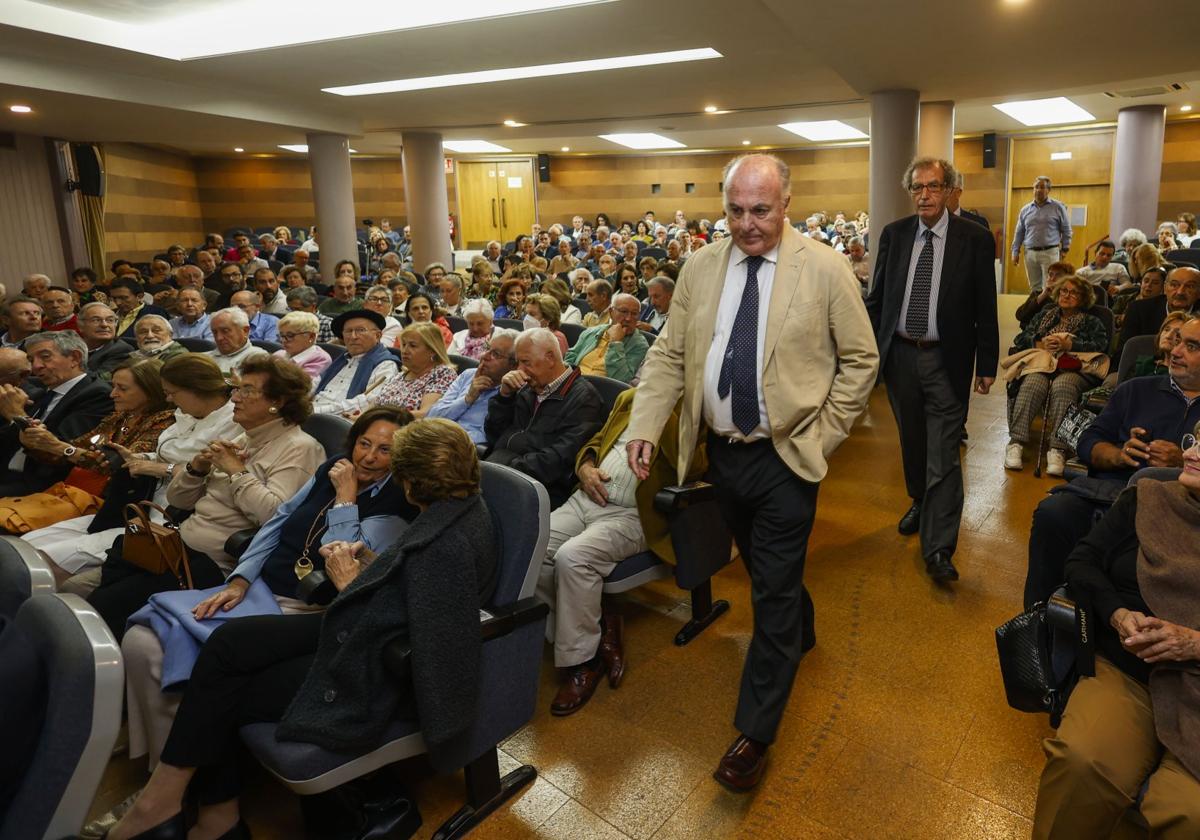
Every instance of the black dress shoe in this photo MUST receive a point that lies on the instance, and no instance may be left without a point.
(910, 522)
(939, 567)
(742, 766)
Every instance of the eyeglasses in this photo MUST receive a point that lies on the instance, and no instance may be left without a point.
(934, 189)
(358, 331)
(290, 336)
(1188, 442)
(1070, 292)
(378, 299)
(98, 320)
(245, 391)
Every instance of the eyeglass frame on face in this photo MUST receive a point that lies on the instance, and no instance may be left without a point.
(245, 391)
(290, 336)
(1072, 290)
(360, 331)
(100, 319)
(1188, 442)
(378, 299)
(935, 188)
(496, 354)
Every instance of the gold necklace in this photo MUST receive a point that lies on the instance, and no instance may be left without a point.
(304, 565)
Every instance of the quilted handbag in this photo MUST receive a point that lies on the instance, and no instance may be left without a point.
(1039, 664)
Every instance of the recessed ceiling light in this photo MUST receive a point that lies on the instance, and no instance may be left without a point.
(745, 142)
(20, 109)
(506, 74)
(710, 109)
(643, 141)
(515, 124)
(566, 148)
(824, 130)
(238, 149)
(1060, 156)
(302, 148)
(1185, 108)
(1056, 109)
(473, 146)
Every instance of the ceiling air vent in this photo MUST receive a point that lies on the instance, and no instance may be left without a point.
(1136, 93)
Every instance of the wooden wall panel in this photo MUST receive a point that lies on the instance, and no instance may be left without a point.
(983, 189)
(1090, 163)
(151, 202)
(29, 232)
(1180, 186)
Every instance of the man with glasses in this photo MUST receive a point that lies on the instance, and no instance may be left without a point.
(933, 307)
(379, 299)
(1044, 230)
(1181, 293)
(365, 365)
(466, 401)
(98, 327)
(1142, 425)
(615, 349)
(263, 327)
(192, 320)
(304, 299)
(230, 279)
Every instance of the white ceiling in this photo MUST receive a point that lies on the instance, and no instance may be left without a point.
(784, 61)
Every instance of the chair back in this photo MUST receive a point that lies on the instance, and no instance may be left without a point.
(455, 323)
(509, 324)
(1183, 256)
(572, 332)
(23, 574)
(656, 253)
(85, 682)
(462, 363)
(649, 336)
(329, 430)
(197, 345)
(269, 346)
(582, 305)
(1106, 317)
(1139, 345)
(334, 350)
(609, 390)
(520, 508)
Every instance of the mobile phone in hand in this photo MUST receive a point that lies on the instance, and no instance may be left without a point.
(23, 421)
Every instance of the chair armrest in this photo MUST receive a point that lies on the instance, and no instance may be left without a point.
(683, 496)
(238, 542)
(1060, 611)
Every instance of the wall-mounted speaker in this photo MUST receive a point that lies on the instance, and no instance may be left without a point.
(88, 170)
(989, 150)
(544, 168)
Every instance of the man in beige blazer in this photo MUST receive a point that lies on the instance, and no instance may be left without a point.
(770, 347)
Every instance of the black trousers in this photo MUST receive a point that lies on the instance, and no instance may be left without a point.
(930, 417)
(770, 511)
(1059, 522)
(248, 672)
(124, 588)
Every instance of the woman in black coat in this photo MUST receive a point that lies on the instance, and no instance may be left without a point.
(323, 676)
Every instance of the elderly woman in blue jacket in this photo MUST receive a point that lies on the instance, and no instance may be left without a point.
(616, 349)
(322, 676)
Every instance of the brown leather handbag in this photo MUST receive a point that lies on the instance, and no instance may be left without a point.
(155, 548)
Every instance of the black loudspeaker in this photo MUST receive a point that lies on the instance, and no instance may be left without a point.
(544, 168)
(88, 170)
(989, 150)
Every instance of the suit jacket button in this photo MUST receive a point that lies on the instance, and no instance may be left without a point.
(330, 696)
(342, 636)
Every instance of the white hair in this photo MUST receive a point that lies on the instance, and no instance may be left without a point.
(505, 332)
(166, 323)
(619, 296)
(236, 316)
(478, 306)
(542, 339)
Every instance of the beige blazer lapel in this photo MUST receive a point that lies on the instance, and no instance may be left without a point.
(783, 288)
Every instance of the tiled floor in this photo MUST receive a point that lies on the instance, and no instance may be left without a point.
(897, 726)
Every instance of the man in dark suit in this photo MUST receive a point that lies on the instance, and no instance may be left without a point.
(933, 307)
(954, 202)
(73, 402)
(98, 327)
(1181, 293)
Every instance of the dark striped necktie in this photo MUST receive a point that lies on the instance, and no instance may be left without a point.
(916, 322)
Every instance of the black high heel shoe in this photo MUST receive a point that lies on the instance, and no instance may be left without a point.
(174, 828)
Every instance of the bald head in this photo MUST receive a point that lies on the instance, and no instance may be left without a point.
(14, 366)
(757, 192)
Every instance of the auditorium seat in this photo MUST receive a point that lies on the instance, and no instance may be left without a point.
(269, 346)
(329, 430)
(85, 683)
(571, 332)
(455, 323)
(510, 324)
(23, 574)
(197, 345)
(1139, 345)
(334, 350)
(462, 363)
(513, 627)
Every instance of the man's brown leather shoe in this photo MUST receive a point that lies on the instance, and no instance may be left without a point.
(742, 766)
(612, 648)
(578, 688)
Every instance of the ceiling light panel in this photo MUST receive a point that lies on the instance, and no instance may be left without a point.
(823, 130)
(302, 148)
(1056, 110)
(507, 74)
(643, 141)
(158, 34)
(470, 147)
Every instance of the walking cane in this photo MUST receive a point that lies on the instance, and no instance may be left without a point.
(1037, 469)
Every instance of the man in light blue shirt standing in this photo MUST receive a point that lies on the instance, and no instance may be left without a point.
(1044, 229)
(466, 401)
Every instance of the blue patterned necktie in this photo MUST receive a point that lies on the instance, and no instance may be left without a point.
(739, 371)
(916, 321)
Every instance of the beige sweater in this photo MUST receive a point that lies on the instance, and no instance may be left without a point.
(280, 459)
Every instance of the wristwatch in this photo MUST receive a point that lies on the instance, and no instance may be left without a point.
(170, 469)
(69, 451)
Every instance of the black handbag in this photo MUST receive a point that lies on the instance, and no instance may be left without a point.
(1043, 653)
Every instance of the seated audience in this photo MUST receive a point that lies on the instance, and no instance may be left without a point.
(126, 296)
(629, 282)
(1062, 330)
(1181, 293)
(1150, 285)
(483, 282)
(451, 289)
(298, 337)
(83, 284)
(345, 385)
(140, 414)
(311, 245)
(14, 366)
(615, 349)
(1186, 222)
(466, 400)
(422, 310)
(240, 240)
(1039, 299)
(425, 375)
(1141, 426)
(544, 412)
(599, 299)
(35, 285)
(263, 327)
(231, 334)
(229, 486)
(74, 401)
(653, 317)
(1167, 241)
(512, 293)
(342, 293)
(1129, 729)
(24, 320)
(379, 299)
(203, 413)
(98, 328)
(301, 260)
(1102, 271)
(426, 589)
(58, 310)
(542, 310)
(856, 253)
(155, 340)
(473, 342)
(274, 302)
(1169, 335)
(434, 272)
(557, 288)
(192, 320)
(564, 258)
(229, 280)
(352, 498)
(609, 517)
(304, 299)
(268, 249)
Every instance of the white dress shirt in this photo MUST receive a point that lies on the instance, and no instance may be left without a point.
(17, 462)
(233, 362)
(718, 413)
(332, 398)
(939, 250)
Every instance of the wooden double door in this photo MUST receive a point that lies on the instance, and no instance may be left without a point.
(496, 200)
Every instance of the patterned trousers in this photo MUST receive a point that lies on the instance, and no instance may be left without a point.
(1062, 389)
